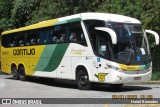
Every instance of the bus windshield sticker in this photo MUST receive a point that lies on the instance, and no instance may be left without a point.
(98, 59)
(138, 58)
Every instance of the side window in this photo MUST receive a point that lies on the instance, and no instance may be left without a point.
(56, 34)
(13, 41)
(41, 39)
(59, 34)
(76, 34)
(7, 40)
(44, 36)
(20, 39)
(47, 36)
(90, 26)
(27, 39)
(103, 44)
(31, 38)
(4, 41)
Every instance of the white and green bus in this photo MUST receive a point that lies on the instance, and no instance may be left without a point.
(86, 47)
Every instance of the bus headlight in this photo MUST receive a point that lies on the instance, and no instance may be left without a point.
(115, 68)
(120, 70)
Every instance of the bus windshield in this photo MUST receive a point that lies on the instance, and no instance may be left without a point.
(131, 43)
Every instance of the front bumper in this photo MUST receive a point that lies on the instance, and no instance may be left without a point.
(120, 77)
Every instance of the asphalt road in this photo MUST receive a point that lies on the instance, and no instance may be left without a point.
(49, 88)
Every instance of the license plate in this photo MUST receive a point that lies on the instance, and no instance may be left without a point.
(137, 78)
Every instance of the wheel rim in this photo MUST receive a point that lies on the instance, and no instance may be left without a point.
(83, 80)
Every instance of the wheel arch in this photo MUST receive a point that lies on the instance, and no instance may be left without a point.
(82, 66)
(21, 65)
(13, 65)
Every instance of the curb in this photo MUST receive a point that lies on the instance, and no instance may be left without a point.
(152, 82)
(148, 82)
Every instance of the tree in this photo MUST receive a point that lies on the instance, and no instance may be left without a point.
(124, 7)
(5, 14)
(50, 9)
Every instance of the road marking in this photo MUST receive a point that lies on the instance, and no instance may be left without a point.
(106, 105)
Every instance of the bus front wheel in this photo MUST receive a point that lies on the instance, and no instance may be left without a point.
(82, 80)
(15, 73)
(22, 75)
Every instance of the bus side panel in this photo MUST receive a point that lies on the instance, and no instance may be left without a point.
(27, 56)
(5, 65)
(80, 56)
(53, 59)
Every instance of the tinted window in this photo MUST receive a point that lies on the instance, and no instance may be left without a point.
(76, 34)
(90, 26)
(64, 33)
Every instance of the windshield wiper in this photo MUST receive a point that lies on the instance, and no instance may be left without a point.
(124, 56)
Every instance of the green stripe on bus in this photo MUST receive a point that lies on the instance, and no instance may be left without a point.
(68, 21)
(56, 57)
(74, 20)
(147, 66)
(60, 22)
(51, 57)
(45, 57)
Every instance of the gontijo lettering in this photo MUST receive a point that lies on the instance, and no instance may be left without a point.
(30, 51)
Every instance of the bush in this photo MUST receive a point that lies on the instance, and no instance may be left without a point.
(156, 76)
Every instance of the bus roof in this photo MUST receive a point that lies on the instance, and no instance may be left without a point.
(76, 17)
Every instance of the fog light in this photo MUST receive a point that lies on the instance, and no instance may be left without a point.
(120, 78)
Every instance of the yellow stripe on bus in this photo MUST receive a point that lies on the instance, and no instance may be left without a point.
(129, 68)
(34, 26)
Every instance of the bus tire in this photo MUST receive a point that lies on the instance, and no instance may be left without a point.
(15, 73)
(22, 75)
(82, 80)
(115, 86)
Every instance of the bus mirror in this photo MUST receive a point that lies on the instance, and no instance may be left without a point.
(111, 33)
(155, 35)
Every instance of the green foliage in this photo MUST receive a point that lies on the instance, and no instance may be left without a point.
(150, 14)
(5, 14)
(44, 11)
(22, 11)
(49, 9)
(124, 7)
(156, 76)
(18, 13)
(5, 23)
(5, 7)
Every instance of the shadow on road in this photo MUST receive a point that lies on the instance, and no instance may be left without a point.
(125, 88)
(72, 84)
